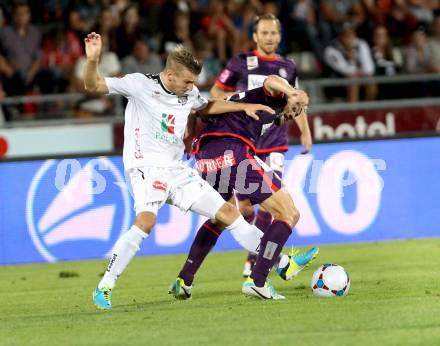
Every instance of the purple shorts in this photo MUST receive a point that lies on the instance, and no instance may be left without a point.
(229, 165)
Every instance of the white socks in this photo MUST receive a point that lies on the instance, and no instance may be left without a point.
(123, 251)
(248, 236)
(284, 261)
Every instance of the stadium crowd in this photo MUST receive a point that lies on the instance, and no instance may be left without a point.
(41, 41)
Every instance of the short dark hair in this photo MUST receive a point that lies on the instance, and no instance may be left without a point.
(266, 16)
(182, 56)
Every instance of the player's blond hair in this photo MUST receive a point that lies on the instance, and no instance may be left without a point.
(182, 56)
(267, 16)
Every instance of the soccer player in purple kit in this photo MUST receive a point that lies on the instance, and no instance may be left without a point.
(225, 154)
(246, 72)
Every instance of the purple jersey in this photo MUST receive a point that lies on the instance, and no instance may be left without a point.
(240, 125)
(248, 71)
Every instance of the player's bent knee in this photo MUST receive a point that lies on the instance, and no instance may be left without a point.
(145, 221)
(226, 215)
(295, 215)
(290, 216)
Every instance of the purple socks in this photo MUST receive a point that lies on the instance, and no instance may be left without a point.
(204, 241)
(270, 248)
(263, 220)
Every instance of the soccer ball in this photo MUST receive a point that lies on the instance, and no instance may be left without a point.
(330, 280)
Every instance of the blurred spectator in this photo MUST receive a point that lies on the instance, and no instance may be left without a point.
(377, 11)
(249, 12)
(21, 44)
(151, 14)
(434, 44)
(383, 56)
(60, 52)
(418, 55)
(106, 27)
(181, 35)
(204, 50)
(423, 10)
(219, 27)
(117, 7)
(302, 28)
(167, 26)
(350, 57)
(336, 12)
(76, 25)
(89, 11)
(386, 63)
(142, 60)
(128, 32)
(54, 10)
(400, 22)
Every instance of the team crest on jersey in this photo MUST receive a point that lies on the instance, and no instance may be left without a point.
(252, 62)
(182, 99)
(282, 72)
(168, 123)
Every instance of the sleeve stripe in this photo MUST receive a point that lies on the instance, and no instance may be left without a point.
(223, 86)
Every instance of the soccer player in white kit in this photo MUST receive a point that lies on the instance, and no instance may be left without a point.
(155, 121)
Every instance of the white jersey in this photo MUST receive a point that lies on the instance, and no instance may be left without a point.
(155, 119)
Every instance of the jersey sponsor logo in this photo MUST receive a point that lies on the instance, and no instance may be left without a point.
(252, 62)
(282, 72)
(159, 185)
(216, 164)
(168, 123)
(255, 81)
(72, 209)
(224, 75)
(137, 144)
(165, 137)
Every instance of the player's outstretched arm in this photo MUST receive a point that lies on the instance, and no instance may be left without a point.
(217, 93)
(221, 106)
(306, 135)
(276, 85)
(93, 82)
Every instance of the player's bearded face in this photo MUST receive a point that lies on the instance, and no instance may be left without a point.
(267, 37)
(182, 81)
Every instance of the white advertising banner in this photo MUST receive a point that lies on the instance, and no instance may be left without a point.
(56, 140)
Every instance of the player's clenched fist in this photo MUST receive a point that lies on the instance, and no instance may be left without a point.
(93, 44)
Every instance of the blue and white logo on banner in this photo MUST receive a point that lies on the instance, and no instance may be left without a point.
(76, 211)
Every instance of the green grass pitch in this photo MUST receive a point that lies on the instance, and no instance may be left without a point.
(394, 300)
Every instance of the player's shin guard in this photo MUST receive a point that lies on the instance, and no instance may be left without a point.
(263, 220)
(123, 252)
(204, 241)
(270, 248)
(248, 236)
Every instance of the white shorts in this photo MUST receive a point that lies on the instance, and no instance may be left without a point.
(180, 186)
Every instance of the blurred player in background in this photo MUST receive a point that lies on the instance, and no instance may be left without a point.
(155, 120)
(225, 154)
(245, 72)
